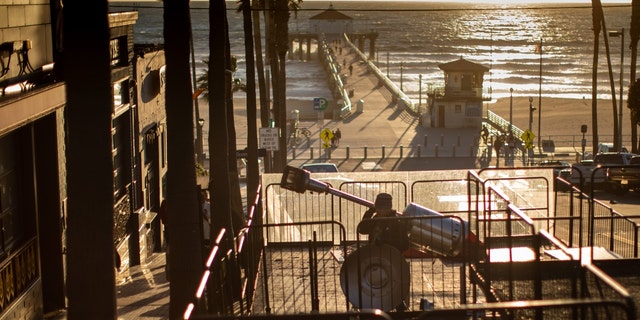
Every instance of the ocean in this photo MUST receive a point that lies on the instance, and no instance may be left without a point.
(415, 37)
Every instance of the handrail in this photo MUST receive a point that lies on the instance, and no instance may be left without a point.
(205, 276)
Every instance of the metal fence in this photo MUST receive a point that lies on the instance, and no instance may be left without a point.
(291, 263)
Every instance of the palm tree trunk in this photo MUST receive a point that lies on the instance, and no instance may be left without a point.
(278, 104)
(219, 185)
(237, 216)
(257, 41)
(252, 130)
(90, 259)
(184, 227)
(617, 144)
(262, 82)
(597, 16)
(282, 44)
(635, 35)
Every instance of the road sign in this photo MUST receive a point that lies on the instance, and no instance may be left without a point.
(527, 136)
(326, 135)
(320, 104)
(269, 139)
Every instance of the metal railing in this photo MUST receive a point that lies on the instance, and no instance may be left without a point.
(290, 263)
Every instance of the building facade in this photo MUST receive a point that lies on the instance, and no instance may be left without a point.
(33, 193)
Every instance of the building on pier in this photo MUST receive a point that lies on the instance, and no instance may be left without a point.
(459, 103)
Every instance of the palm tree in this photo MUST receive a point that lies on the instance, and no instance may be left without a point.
(597, 20)
(184, 228)
(257, 41)
(278, 33)
(633, 102)
(218, 132)
(635, 35)
(90, 259)
(252, 130)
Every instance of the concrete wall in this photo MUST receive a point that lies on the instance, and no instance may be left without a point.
(27, 20)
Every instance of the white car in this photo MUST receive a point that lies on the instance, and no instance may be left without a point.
(320, 167)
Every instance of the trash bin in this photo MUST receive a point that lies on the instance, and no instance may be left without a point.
(360, 106)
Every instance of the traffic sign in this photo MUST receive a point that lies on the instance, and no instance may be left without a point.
(320, 104)
(269, 139)
(527, 136)
(326, 135)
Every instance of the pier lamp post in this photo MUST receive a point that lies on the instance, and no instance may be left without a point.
(419, 91)
(510, 110)
(531, 110)
(199, 142)
(620, 33)
(401, 69)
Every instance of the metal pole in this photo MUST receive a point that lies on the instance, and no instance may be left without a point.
(540, 98)
(401, 67)
(531, 108)
(419, 92)
(511, 110)
(387, 64)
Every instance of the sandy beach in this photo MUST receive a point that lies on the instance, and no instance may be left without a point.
(562, 118)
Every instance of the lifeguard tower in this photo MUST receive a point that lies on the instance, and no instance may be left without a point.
(459, 103)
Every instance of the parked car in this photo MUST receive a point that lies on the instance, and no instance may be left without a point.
(623, 179)
(561, 169)
(583, 172)
(617, 179)
(320, 167)
(608, 147)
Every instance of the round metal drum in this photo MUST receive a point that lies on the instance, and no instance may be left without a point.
(375, 277)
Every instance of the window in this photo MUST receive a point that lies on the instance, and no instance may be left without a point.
(118, 51)
(120, 151)
(120, 93)
(12, 197)
(458, 108)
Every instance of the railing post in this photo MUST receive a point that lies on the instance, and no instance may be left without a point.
(383, 153)
(453, 151)
(348, 151)
(437, 150)
(401, 153)
(365, 152)
(311, 153)
(419, 152)
(293, 152)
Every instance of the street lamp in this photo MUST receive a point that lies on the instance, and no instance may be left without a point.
(511, 110)
(531, 110)
(419, 92)
(401, 70)
(620, 33)
(199, 142)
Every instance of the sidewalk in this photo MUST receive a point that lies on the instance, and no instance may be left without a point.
(142, 292)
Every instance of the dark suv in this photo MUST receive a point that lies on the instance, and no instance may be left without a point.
(623, 175)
